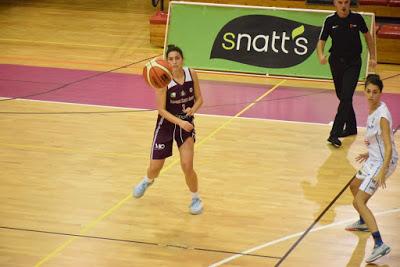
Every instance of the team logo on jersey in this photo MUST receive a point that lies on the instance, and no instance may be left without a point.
(183, 93)
(265, 41)
(191, 90)
(371, 126)
(353, 25)
(173, 95)
(159, 146)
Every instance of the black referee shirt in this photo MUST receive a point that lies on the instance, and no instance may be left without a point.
(345, 35)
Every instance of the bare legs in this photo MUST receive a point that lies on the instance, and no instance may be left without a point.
(360, 204)
(186, 151)
(154, 168)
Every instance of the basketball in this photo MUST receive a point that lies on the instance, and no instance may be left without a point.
(157, 73)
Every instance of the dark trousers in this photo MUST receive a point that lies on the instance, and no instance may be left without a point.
(345, 74)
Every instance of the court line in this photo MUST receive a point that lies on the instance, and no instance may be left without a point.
(134, 242)
(277, 241)
(93, 223)
(66, 150)
(390, 77)
(147, 110)
(127, 110)
(79, 104)
(203, 107)
(316, 220)
(27, 81)
(77, 81)
(124, 110)
(314, 223)
(241, 112)
(58, 43)
(52, 60)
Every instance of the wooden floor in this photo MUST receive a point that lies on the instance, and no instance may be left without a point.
(66, 179)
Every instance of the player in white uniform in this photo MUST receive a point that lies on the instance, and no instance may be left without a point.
(380, 163)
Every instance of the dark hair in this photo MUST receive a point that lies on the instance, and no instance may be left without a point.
(172, 48)
(375, 80)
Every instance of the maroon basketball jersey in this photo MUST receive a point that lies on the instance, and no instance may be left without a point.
(180, 96)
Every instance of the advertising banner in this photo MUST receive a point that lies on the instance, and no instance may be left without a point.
(255, 40)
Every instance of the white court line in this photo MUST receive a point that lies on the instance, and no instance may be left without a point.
(76, 104)
(144, 109)
(276, 241)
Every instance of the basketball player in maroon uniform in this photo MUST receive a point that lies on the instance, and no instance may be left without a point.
(176, 105)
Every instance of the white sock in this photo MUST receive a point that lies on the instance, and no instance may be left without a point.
(148, 180)
(195, 195)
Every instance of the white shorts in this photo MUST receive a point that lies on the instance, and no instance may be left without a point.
(368, 172)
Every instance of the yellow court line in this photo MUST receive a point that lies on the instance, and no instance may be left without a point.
(93, 223)
(239, 113)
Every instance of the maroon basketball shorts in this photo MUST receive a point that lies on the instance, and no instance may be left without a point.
(164, 136)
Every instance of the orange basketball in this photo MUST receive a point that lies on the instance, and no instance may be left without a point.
(157, 73)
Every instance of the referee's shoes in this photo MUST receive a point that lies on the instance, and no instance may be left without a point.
(334, 141)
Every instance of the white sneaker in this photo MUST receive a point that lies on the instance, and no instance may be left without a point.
(141, 188)
(378, 252)
(196, 207)
(357, 226)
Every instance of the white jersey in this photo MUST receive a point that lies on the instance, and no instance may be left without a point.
(376, 148)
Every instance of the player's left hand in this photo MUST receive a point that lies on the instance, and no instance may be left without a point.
(187, 126)
(189, 111)
(381, 180)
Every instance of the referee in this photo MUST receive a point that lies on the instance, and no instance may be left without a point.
(345, 63)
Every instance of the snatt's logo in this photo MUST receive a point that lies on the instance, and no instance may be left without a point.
(265, 41)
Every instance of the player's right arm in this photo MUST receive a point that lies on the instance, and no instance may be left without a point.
(320, 52)
(161, 98)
